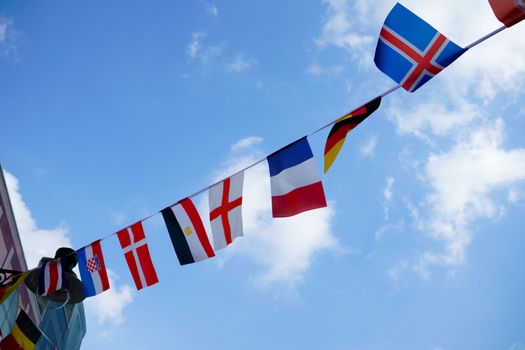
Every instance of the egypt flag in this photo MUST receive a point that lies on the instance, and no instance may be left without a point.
(337, 136)
(509, 12)
(23, 336)
(225, 199)
(52, 277)
(295, 183)
(187, 232)
(11, 285)
(92, 269)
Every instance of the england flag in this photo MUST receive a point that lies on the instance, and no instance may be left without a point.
(225, 201)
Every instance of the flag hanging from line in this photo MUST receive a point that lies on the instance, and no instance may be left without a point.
(136, 251)
(410, 51)
(187, 232)
(92, 269)
(337, 136)
(508, 12)
(295, 183)
(23, 336)
(52, 277)
(225, 201)
(12, 285)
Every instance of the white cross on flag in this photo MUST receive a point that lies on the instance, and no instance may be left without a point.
(133, 243)
(225, 200)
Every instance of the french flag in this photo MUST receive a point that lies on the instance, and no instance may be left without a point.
(52, 277)
(295, 183)
(92, 269)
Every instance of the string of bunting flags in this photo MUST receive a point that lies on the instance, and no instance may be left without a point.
(409, 51)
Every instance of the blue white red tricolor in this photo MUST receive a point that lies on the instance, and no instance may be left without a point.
(295, 183)
(410, 51)
(51, 277)
(92, 269)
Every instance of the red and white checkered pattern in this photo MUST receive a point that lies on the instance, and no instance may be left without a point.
(93, 264)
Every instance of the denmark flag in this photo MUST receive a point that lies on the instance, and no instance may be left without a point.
(133, 243)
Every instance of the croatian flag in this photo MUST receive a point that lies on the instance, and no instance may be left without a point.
(295, 183)
(52, 277)
(410, 51)
(92, 269)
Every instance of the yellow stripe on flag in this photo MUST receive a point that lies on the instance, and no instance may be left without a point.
(22, 339)
(348, 116)
(330, 156)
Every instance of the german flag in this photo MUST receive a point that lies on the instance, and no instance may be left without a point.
(6, 291)
(337, 136)
(24, 335)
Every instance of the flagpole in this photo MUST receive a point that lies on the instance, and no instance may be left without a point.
(488, 36)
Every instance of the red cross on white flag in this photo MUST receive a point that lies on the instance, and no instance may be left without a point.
(225, 200)
(133, 243)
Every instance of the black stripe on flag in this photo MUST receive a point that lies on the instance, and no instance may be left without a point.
(27, 327)
(177, 237)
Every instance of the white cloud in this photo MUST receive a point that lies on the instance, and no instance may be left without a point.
(37, 242)
(246, 143)
(369, 148)
(194, 46)
(318, 70)
(118, 217)
(464, 181)
(241, 63)
(395, 272)
(399, 226)
(9, 38)
(109, 306)
(3, 29)
(388, 194)
(283, 248)
(517, 346)
(212, 10)
(513, 196)
(433, 116)
(205, 53)
(340, 31)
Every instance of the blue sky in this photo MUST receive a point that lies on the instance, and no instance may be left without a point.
(112, 111)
